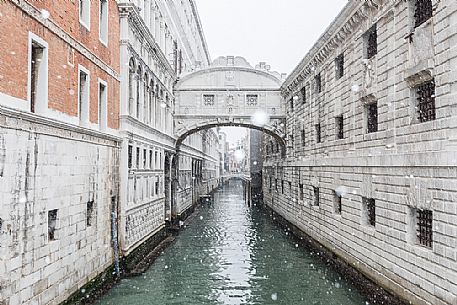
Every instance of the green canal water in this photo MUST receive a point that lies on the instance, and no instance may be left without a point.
(234, 254)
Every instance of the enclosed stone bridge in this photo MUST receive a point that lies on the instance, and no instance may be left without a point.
(230, 93)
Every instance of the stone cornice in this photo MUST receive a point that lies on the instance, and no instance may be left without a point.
(144, 35)
(51, 26)
(200, 30)
(343, 27)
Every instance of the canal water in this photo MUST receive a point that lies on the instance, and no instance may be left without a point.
(234, 254)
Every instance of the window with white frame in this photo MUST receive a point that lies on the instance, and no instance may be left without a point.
(102, 105)
(83, 96)
(84, 13)
(103, 21)
(38, 73)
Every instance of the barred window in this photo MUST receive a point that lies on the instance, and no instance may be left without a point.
(426, 101)
(425, 227)
(52, 224)
(316, 196)
(318, 133)
(339, 66)
(318, 83)
(370, 209)
(338, 203)
(251, 99)
(372, 117)
(339, 127)
(89, 213)
(371, 42)
(423, 11)
(208, 99)
(130, 156)
(303, 94)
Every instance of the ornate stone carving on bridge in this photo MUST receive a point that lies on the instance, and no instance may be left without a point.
(238, 92)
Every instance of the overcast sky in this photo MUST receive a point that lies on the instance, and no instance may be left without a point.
(279, 32)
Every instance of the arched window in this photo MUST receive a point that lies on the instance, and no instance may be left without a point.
(151, 102)
(145, 99)
(131, 85)
(138, 90)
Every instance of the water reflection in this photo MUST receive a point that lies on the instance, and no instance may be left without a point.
(234, 255)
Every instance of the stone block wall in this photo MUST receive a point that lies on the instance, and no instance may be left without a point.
(406, 166)
(44, 168)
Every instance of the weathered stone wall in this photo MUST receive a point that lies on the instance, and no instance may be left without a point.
(405, 166)
(45, 167)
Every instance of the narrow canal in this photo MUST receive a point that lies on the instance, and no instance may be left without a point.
(233, 254)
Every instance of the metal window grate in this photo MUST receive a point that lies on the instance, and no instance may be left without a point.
(52, 224)
(251, 99)
(318, 82)
(208, 99)
(425, 227)
(339, 65)
(316, 195)
(303, 94)
(372, 42)
(426, 101)
(339, 127)
(372, 117)
(423, 11)
(371, 210)
(318, 133)
(338, 203)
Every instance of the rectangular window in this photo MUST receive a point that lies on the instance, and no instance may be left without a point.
(318, 133)
(339, 66)
(84, 13)
(303, 137)
(145, 158)
(138, 157)
(102, 106)
(369, 210)
(426, 101)
(282, 186)
(252, 99)
(318, 83)
(130, 156)
(423, 11)
(337, 203)
(89, 213)
(38, 75)
(291, 105)
(157, 186)
(208, 99)
(424, 227)
(301, 191)
(371, 42)
(372, 117)
(339, 127)
(290, 188)
(103, 21)
(276, 185)
(52, 224)
(271, 185)
(150, 159)
(316, 196)
(303, 94)
(83, 96)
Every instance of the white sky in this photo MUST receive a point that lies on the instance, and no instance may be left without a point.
(279, 32)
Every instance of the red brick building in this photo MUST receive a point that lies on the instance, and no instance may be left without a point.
(59, 149)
